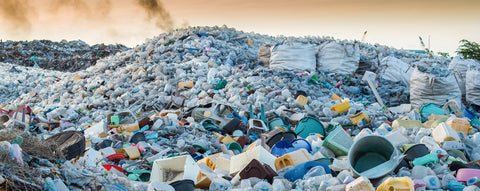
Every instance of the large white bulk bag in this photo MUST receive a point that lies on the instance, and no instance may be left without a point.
(297, 57)
(472, 86)
(395, 70)
(338, 58)
(426, 88)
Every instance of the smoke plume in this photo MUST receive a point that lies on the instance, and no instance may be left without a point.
(17, 13)
(157, 12)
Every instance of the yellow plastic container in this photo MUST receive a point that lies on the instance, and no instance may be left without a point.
(227, 139)
(209, 162)
(340, 108)
(336, 97)
(359, 117)
(132, 152)
(443, 133)
(397, 184)
(203, 182)
(302, 100)
(361, 183)
(292, 158)
(460, 125)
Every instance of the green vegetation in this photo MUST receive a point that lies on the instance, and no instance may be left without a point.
(469, 50)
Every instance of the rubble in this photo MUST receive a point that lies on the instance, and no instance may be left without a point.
(196, 109)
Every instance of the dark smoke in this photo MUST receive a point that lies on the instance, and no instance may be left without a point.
(100, 9)
(17, 12)
(157, 12)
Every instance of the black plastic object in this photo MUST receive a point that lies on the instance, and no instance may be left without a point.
(69, 143)
(137, 138)
(231, 126)
(183, 185)
(299, 92)
(104, 144)
(416, 151)
(256, 169)
(455, 165)
(281, 136)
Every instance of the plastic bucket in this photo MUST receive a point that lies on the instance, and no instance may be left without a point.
(286, 146)
(309, 125)
(281, 135)
(338, 141)
(373, 156)
(183, 185)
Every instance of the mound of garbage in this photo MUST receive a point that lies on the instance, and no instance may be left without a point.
(62, 56)
(213, 108)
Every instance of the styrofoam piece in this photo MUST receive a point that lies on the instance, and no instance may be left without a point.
(175, 168)
(242, 160)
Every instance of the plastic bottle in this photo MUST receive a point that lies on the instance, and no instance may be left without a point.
(263, 186)
(278, 185)
(219, 184)
(432, 182)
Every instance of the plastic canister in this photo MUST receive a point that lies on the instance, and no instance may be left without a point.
(359, 117)
(373, 156)
(338, 141)
(292, 158)
(397, 183)
(460, 125)
(432, 182)
(361, 183)
(341, 107)
(444, 133)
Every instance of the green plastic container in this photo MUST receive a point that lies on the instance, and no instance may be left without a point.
(338, 141)
(428, 109)
(309, 125)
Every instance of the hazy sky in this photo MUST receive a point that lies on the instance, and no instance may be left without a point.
(396, 23)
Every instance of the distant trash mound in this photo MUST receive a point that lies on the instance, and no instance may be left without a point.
(62, 56)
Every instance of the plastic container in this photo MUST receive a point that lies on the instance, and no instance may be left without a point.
(397, 183)
(444, 133)
(256, 169)
(309, 125)
(407, 123)
(298, 171)
(132, 152)
(286, 146)
(182, 167)
(359, 117)
(361, 183)
(340, 108)
(416, 151)
(464, 174)
(155, 186)
(459, 125)
(183, 185)
(259, 153)
(373, 156)
(338, 141)
(292, 158)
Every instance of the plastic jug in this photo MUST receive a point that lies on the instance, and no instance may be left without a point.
(397, 183)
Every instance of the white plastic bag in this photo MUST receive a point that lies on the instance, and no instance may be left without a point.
(298, 57)
(395, 70)
(264, 54)
(426, 88)
(337, 58)
(472, 86)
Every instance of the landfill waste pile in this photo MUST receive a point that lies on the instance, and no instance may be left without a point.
(213, 108)
(62, 56)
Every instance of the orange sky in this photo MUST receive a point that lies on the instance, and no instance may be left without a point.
(396, 23)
